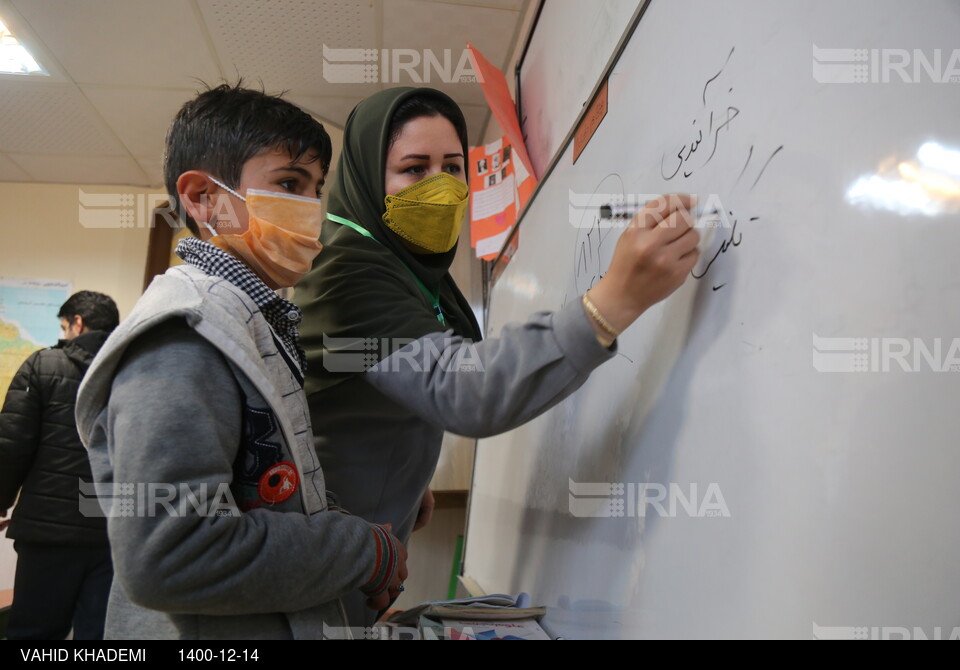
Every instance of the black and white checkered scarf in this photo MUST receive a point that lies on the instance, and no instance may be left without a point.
(283, 316)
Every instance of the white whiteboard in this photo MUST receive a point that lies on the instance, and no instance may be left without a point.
(841, 487)
(570, 47)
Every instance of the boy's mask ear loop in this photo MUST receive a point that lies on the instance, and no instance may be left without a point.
(210, 226)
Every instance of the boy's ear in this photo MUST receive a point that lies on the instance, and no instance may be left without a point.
(195, 190)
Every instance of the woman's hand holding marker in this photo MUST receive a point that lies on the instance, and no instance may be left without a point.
(652, 259)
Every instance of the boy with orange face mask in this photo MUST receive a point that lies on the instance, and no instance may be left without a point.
(194, 414)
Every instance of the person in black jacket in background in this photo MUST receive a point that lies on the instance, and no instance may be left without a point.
(63, 558)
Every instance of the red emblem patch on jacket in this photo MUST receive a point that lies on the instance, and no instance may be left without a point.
(278, 483)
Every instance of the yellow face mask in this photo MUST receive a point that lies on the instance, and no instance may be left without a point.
(282, 237)
(430, 213)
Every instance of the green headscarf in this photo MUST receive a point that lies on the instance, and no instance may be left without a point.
(361, 288)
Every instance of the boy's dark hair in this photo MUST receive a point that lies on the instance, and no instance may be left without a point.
(224, 127)
(99, 311)
(427, 105)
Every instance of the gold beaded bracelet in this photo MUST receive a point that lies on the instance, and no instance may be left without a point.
(598, 317)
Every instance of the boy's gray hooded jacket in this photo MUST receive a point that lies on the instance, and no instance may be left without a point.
(190, 407)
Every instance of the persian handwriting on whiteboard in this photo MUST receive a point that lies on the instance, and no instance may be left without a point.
(730, 114)
(735, 237)
(732, 240)
(718, 115)
(718, 120)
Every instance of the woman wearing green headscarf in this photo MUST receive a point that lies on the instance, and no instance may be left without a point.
(393, 348)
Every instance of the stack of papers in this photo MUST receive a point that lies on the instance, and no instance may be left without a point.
(493, 617)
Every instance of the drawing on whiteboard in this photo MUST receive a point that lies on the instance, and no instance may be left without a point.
(596, 240)
(595, 243)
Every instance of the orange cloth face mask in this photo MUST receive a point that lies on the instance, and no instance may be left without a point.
(282, 237)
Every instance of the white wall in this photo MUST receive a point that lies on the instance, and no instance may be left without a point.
(42, 238)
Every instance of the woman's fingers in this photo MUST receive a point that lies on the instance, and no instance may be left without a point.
(685, 243)
(657, 211)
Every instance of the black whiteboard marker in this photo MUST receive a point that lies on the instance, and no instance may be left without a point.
(614, 211)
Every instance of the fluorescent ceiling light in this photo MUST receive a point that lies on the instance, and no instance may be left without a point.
(14, 58)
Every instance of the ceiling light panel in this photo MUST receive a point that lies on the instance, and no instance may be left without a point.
(281, 43)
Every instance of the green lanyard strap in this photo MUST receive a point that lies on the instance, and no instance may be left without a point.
(434, 297)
